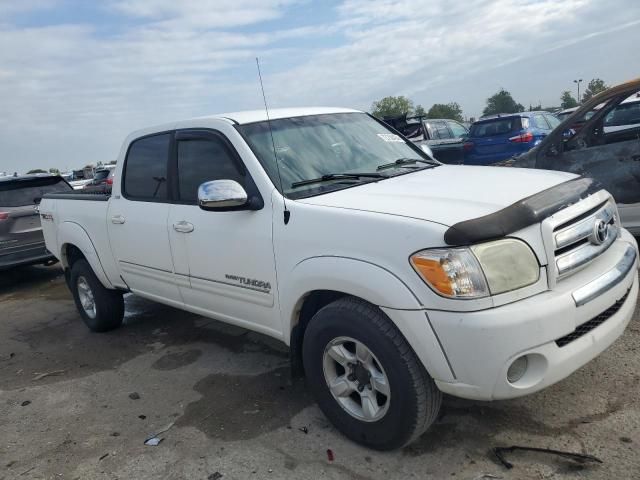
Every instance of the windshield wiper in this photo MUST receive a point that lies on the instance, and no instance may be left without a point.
(407, 161)
(337, 176)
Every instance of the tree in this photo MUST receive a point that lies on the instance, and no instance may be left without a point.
(419, 111)
(54, 171)
(449, 110)
(502, 102)
(392, 107)
(567, 100)
(594, 87)
(36, 170)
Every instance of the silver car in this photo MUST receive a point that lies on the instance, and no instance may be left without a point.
(21, 240)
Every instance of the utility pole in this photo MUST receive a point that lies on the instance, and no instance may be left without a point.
(577, 82)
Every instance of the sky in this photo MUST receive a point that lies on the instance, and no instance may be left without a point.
(76, 77)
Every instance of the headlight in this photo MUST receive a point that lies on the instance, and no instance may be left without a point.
(478, 271)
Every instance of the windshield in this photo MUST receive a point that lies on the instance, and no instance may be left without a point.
(316, 145)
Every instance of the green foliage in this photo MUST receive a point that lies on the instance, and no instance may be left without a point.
(502, 102)
(36, 170)
(595, 86)
(449, 110)
(567, 100)
(54, 171)
(392, 107)
(419, 111)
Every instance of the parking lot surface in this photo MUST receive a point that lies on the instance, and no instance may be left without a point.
(79, 405)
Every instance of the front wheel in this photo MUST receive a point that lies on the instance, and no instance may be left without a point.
(100, 308)
(366, 378)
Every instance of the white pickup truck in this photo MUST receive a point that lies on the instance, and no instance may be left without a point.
(392, 278)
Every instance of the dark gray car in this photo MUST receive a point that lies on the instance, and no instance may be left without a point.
(21, 240)
(601, 140)
(443, 136)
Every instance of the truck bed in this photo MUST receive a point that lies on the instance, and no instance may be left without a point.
(74, 215)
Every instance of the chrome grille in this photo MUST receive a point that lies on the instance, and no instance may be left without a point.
(583, 238)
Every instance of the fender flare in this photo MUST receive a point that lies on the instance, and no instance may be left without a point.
(376, 285)
(71, 233)
(352, 276)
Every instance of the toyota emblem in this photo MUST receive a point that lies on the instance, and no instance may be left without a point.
(600, 232)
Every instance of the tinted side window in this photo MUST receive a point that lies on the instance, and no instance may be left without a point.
(145, 171)
(202, 160)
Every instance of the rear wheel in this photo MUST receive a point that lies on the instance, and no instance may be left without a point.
(366, 378)
(100, 308)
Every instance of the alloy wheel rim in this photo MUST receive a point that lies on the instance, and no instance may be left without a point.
(85, 294)
(356, 379)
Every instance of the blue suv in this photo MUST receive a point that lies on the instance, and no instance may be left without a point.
(499, 137)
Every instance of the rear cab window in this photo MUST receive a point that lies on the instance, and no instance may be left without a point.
(145, 168)
(19, 193)
(497, 126)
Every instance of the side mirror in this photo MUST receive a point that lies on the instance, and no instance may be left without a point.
(221, 194)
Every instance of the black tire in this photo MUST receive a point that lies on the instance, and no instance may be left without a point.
(414, 399)
(109, 304)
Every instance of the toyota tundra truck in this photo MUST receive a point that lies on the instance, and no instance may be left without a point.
(392, 278)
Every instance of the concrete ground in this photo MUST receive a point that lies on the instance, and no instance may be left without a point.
(78, 405)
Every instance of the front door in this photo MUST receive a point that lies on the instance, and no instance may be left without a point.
(226, 255)
(137, 221)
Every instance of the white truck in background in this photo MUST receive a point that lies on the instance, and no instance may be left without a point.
(392, 278)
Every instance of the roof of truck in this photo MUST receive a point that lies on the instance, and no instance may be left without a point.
(240, 118)
(251, 116)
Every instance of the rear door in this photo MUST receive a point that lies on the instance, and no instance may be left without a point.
(137, 221)
(20, 229)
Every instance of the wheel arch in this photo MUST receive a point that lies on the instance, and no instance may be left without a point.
(75, 244)
(318, 281)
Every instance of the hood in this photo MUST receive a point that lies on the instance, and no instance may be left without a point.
(447, 194)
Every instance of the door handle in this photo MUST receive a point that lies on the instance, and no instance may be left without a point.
(117, 219)
(183, 227)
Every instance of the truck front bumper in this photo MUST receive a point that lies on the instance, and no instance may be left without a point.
(558, 331)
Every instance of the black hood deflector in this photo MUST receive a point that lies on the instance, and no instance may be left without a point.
(528, 211)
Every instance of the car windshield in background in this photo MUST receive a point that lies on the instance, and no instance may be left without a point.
(313, 146)
(29, 192)
(101, 174)
(496, 126)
